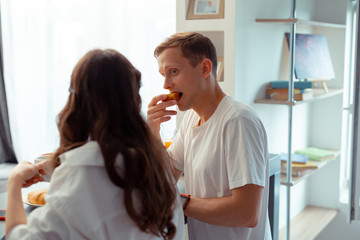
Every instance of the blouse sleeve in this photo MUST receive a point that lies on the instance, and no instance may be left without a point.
(55, 220)
(43, 223)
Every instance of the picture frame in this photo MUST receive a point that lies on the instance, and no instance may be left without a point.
(312, 57)
(205, 9)
(220, 69)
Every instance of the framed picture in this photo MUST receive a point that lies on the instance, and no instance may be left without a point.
(312, 57)
(205, 9)
(220, 69)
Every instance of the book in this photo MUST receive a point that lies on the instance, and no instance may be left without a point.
(299, 169)
(300, 166)
(317, 154)
(298, 173)
(297, 96)
(270, 91)
(295, 158)
(297, 84)
(301, 173)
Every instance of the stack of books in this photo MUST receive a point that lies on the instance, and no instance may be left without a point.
(279, 90)
(318, 154)
(299, 164)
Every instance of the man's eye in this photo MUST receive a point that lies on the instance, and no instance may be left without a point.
(174, 71)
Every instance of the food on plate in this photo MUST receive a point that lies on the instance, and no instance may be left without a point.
(173, 96)
(37, 196)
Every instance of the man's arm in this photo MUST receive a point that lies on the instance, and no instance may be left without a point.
(242, 209)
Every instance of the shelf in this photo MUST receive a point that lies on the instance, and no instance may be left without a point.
(319, 164)
(309, 223)
(322, 24)
(205, 25)
(300, 21)
(318, 94)
(277, 20)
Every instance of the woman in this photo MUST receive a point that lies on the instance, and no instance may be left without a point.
(112, 179)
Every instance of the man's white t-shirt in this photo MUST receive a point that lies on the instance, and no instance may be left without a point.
(226, 152)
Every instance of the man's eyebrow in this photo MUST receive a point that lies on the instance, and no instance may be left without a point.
(173, 65)
(170, 66)
(166, 68)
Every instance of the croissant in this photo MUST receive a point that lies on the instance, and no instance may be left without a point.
(37, 196)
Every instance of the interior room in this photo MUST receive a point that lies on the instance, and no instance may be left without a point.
(258, 43)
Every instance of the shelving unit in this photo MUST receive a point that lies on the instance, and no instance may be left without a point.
(251, 46)
(310, 222)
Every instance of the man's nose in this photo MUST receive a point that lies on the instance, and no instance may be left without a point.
(167, 83)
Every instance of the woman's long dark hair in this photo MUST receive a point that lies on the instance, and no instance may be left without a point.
(104, 105)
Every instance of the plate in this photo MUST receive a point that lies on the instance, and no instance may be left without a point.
(26, 201)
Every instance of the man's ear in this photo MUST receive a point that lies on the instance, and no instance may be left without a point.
(206, 67)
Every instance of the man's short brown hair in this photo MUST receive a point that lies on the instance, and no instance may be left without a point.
(194, 46)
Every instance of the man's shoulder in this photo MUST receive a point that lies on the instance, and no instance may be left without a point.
(234, 109)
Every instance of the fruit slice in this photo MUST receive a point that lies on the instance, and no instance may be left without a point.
(173, 96)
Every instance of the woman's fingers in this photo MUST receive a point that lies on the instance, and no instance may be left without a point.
(28, 172)
(35, 179)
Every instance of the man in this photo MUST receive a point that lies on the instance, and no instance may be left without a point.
(221, 145)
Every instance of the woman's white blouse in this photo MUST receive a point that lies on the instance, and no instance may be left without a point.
(82, 203)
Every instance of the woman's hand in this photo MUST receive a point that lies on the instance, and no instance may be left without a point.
(24, 174)
(28, 173)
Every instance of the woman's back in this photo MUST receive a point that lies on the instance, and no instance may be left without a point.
(113, 178)
(84, 204)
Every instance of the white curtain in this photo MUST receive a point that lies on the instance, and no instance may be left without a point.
(43, 40)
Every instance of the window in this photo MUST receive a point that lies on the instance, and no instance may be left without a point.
(43, 40)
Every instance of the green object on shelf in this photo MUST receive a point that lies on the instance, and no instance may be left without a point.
(317, 154)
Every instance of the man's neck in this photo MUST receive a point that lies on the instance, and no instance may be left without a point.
(209, 104)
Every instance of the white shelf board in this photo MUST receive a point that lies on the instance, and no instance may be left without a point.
(204, 25)
(309, 223)
(322, 24)
(319, 164)
(301, 21)
(318, 94)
